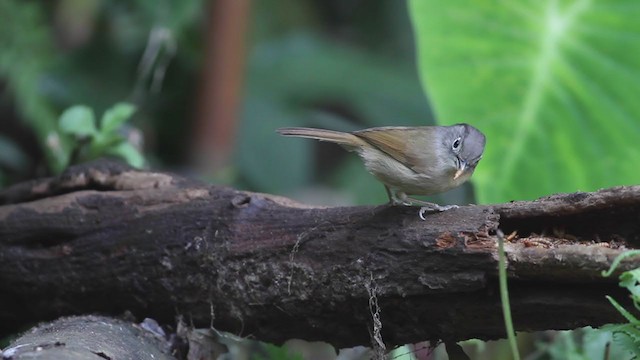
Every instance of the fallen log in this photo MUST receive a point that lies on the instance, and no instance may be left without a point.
(104, 238)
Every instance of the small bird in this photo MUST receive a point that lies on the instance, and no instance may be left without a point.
(423, 160)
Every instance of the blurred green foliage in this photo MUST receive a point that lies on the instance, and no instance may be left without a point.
(627, 334)
(11, 157)
(553, 84)
(56, 54)
(26, 54)
(581, 344)
(303, 80)
(92, 139)
(358, 73)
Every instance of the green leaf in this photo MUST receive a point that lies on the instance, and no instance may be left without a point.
(129, 153)
(627, 315)
(629, 279)
(618, 259)
(78, 120)
(114, 117)
(626, 340)
(553, 84)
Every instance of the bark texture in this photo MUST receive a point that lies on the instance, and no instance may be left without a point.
(105, 238)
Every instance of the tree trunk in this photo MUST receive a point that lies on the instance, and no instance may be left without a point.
(105, 238)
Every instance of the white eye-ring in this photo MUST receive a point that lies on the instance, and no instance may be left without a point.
(456, 143)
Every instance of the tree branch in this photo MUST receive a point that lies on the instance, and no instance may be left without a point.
(105, 238)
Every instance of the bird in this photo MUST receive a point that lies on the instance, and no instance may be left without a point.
(410, 160)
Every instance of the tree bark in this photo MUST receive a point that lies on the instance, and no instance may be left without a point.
(105, 238)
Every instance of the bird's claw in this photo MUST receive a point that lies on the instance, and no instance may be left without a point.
(434, 208)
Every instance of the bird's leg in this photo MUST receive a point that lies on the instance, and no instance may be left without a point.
(428, 207)
(396, 198)
(392, 198)
(402, 199)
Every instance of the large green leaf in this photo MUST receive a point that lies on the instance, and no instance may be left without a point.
(555, 86)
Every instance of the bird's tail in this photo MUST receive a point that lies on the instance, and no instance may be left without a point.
(342, 138)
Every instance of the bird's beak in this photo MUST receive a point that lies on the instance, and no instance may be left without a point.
(462, 165)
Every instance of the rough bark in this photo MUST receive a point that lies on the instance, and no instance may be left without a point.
(104, 238)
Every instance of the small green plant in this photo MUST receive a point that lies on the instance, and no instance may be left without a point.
(628, 334)
(504, 297)
(94, 140)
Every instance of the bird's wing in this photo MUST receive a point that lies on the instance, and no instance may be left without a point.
(392, 140)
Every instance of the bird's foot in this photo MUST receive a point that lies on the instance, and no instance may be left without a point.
(433, 208)
(400, 198)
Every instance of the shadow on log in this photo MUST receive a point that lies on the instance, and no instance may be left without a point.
(105, 238)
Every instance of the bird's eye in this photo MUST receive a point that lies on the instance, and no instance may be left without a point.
(456, 144)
